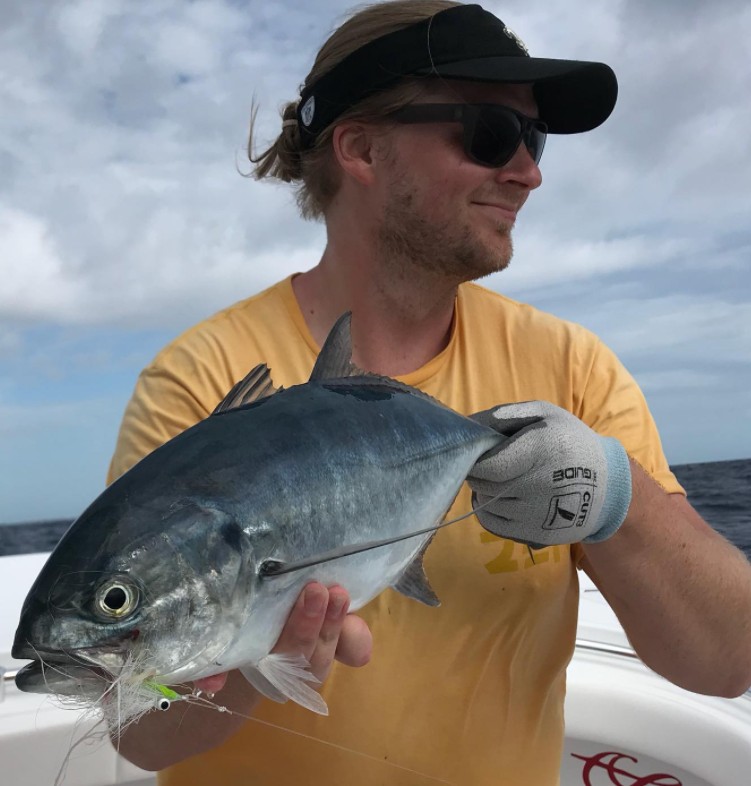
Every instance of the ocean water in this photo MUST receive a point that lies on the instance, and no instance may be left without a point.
(720, 491)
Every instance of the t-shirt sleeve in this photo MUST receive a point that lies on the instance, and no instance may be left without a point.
(173, 393)
(613, 405)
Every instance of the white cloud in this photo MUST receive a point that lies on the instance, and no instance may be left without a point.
(122, 202)
(35, 282)
(81, 24)
(202, 262)
(679, 328)
(557, 26)
(545, 262)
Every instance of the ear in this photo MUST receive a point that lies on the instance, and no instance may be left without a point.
(354, 147)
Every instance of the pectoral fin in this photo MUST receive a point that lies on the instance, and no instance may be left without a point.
(261, 684)
(414, 583)
(282, 677)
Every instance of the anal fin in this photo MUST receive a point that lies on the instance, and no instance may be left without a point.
(414, 583)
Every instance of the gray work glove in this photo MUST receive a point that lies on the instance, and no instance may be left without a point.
(553, 481)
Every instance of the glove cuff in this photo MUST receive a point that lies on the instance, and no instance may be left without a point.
(618, 497)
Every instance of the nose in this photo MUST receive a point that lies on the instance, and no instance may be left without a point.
(521, 169)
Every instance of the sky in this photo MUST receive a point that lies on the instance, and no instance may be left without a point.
(124, 216)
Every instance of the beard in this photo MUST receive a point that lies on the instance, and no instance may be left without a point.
(407, 238)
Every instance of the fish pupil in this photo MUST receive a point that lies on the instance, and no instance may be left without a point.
(115, 598)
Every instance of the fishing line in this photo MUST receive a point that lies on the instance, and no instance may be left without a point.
(350, 750)
(271, 568)
(195, 699)
(433, 69)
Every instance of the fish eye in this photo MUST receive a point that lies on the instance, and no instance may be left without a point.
(116, 599)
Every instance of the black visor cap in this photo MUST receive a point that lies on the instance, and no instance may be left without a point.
(463, 42)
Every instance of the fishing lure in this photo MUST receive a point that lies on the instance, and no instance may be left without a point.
(165, 695)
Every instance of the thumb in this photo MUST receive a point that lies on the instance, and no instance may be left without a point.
(505, 419)
(511, 419)
(509, 460)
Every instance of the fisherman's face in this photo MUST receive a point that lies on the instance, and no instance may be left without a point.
(443, 211)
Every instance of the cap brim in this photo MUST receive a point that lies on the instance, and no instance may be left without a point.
(572, 96)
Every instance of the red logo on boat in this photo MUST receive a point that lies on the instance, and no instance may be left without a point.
(609, 762)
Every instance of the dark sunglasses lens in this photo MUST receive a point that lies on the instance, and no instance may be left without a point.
(497, 134)
(534, 139)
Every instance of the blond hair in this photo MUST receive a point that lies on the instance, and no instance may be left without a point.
(313, 170)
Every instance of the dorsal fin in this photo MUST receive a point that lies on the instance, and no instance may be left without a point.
(255, 386)
(335, 358)
(335, 361)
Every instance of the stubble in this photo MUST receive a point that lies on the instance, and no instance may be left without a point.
(408, 239)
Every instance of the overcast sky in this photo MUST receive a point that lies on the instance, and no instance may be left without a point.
(123, 218)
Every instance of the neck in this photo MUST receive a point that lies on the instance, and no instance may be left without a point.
(401, 312)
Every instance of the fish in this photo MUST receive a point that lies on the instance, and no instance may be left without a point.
(189, 564)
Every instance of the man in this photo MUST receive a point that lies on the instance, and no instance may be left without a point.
(417, 138)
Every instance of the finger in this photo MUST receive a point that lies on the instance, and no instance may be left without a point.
(355, 642)
(509, 419)
(211, 684)
(523, 410)
(300, 632)
(484, 481)
(511, 459)
(328, 636)
(491, 507)
(510, 427)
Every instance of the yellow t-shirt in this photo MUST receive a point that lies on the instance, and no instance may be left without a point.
(471, 693)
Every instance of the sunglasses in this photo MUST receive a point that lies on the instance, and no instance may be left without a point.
(492, 133)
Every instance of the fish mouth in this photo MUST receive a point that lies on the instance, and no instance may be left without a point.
(79, 656)
(73, 672)
(62, 676)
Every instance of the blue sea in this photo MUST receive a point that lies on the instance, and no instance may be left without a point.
(720, 491)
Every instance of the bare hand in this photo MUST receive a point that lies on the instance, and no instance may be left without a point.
(319, 628)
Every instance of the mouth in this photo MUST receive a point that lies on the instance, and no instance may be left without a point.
(62, 676)
(67, 672)
(498, 211)
(79, 656)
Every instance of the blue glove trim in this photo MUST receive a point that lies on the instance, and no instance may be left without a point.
(618, 497)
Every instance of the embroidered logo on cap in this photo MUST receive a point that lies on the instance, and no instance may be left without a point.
(307, 111)
(515, 38)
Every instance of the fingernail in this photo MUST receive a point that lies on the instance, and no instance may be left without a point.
(314, 603)
(336, 607)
